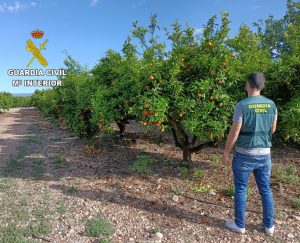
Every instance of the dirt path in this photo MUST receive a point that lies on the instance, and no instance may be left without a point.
(13, 126)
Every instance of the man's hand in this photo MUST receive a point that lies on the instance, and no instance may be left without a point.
(231, 139)
(225, 159)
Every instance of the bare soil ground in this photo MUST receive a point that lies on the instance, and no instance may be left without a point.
(56, 182)
(13, 126)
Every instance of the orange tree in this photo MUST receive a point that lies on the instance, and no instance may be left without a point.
(289, 75)
(118, 86)
(249, 56)
(282, 39)
(22, 101)
(186, 87)
(71, 103)
(46, 102)
(6, 100)
(74, 99)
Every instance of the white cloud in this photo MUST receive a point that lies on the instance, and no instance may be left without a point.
(94, 3)
(199, 31)
(15, 7)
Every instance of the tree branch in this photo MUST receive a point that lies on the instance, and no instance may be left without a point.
(193, 141)
(201, 146)
(176, 139)
(180, 134)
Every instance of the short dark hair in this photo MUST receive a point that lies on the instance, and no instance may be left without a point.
(256, 80)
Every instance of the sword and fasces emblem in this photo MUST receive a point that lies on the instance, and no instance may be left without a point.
(30, 47)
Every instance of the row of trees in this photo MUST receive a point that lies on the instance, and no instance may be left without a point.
(182, 82)
(7, 101)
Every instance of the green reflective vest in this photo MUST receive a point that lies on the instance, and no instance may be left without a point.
(258, 116)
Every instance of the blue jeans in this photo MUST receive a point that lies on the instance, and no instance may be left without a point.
(242, 166)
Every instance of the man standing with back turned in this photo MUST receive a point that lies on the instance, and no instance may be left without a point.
(254, 122)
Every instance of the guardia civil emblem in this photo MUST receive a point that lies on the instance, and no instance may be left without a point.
(36, 52)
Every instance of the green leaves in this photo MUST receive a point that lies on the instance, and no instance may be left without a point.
(290, 125)
(6, 100)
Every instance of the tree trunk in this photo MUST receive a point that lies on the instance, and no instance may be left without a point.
(121, 126)
(187, 156)
(186, 142)
(181, 141)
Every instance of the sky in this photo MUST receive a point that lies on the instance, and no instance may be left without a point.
(86, 29)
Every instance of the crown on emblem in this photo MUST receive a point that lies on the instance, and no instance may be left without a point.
(37, 34)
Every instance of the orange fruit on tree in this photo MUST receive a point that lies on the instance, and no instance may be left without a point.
(224, 65)
(145, 123)
(212, 98)
(146, 105)
(158, 123)
(181, 114)
(145, 113)
(210, 43)
(220, 82)
(151, 77)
